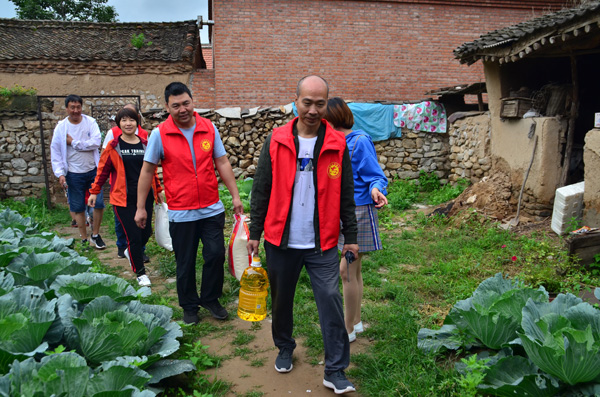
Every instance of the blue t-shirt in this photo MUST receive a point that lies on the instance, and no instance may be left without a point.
(155, 152)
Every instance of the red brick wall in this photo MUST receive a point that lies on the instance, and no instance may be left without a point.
(202, 85)
(368, 50)
(207, 54)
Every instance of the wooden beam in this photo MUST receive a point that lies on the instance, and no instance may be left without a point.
(571, 125)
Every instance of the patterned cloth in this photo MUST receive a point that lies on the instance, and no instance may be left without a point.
(425, 116)
(368, 229)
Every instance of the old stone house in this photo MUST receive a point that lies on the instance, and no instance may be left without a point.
(368, 50)
(542, 84)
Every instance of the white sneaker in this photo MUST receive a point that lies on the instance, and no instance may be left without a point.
(144, 281)
(126, 252)
(352, 336)
(358, 328)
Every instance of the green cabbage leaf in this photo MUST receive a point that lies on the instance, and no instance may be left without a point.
(562, 338)
(85, 287)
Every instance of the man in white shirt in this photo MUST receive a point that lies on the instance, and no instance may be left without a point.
(74, 155)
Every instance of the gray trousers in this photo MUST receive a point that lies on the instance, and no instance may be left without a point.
(284, 267)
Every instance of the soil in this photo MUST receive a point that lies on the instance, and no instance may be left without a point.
(490, 197)
(306, 378)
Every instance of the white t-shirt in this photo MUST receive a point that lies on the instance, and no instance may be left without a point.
(302, 230)
(79, 161)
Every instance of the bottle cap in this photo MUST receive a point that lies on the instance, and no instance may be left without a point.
(255, 261)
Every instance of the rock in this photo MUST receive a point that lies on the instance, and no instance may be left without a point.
(19, 164)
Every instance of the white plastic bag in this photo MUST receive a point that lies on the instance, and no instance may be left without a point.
(161, 226)
(238, 257)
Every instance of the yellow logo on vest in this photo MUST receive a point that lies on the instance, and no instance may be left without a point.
(205, 144)
(334, 170)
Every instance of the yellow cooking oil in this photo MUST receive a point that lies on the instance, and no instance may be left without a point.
(254, 286)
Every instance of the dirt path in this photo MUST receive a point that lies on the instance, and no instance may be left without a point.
(243, 371)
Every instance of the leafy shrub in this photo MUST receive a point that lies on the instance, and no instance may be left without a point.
(138, 41)
(447, 192)
(428, 182)
(16, 90)
(402, 194)
(244, 188)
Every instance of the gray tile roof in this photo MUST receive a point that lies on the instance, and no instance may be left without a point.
(22, 40)
(542, 34)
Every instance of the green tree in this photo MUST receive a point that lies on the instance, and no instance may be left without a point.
(66, 10)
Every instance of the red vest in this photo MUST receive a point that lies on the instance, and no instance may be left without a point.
(329, 172)
(187, 188)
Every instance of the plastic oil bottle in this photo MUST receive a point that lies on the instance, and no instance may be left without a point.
(254, 286)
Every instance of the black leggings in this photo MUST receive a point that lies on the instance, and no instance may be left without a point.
(136, 237)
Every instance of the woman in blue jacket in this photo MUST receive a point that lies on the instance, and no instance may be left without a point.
(370, 188)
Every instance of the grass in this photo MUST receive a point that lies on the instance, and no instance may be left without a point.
(426, 266)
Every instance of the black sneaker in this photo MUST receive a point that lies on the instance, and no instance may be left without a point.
(97, 242)
(146, 258)
(85, 244)
(283, 362)
(216, 310)
(338, 382)
(190, 317)
(121, 252)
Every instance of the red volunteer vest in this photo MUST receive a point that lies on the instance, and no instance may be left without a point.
(329, 187)
(187, 188)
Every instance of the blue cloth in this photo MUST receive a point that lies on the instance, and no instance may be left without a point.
(154, 152)
(365, 168)
(375, 119)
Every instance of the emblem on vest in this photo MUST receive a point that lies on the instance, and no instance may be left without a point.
(334, 170)
(205, 144)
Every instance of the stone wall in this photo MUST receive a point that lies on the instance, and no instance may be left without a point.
(21, 166)
(469, 140)
(449, 156)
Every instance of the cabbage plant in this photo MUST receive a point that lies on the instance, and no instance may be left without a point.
(563, 338)
(67, 374)
(85, 287)
(490, 317)
(104, 329)
(42, 269)
(25, 318)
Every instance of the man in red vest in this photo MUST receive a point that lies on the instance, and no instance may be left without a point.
(302, 188)
(189, 147)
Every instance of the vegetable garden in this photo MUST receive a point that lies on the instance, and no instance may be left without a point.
(452, 307)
